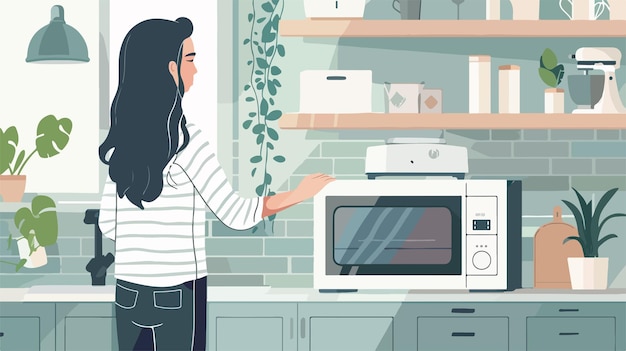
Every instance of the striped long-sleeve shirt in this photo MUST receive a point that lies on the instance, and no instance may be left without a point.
(164, 244)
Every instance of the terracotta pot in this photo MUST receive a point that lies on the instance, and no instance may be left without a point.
(37, 259)
(12, 187)
(588, 272)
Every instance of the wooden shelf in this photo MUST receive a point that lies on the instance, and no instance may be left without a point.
(400, 121)
(451, 28)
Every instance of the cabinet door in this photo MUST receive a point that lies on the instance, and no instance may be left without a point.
(19, 333)
(348, 326)
(570, 334)
(26, 326)
(462, 333)
(86, 326)
(251, 326)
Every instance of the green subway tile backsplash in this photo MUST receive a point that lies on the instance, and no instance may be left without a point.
(315, 165)
(247, 264)
(546, 183)
(506, 134)
(557, 134)
(289, 280)
(288, 247)
(536, 134)
(234, 246)
(607, 134)
(302, 265)
(484, 149)
(234, 280)
(300, 228)
(599, 149)
(541, 149)
(572, 166)
(611, 166)
(509, 166)
(598, 182)
(346, 149)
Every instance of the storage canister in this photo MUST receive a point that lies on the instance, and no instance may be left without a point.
(509, 89)
(480, 84)
(493, 10)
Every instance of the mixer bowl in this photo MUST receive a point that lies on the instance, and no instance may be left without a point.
(585, 90)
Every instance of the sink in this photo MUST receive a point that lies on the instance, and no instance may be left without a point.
(74, 293)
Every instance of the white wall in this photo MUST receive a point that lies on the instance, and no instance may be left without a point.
(30, 91)
(200, 102)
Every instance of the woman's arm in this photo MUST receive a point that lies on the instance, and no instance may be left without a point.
(307, 188)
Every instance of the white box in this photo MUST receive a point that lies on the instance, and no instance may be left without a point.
(480, 84)
(335, 91)
(509, 89)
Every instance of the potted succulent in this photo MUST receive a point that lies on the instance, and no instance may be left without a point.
(590, 271)
(39, 228)
(551, 72)
(52, 136)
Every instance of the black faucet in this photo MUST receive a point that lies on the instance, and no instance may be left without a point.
(98, 265)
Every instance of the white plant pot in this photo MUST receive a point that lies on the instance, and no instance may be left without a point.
(589, 273)
(37, 259)
(554, 100)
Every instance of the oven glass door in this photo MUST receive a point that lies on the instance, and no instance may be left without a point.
(393, 235)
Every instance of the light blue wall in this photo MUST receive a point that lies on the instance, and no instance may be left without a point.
(549, 162)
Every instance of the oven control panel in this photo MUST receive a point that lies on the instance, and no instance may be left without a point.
(481, 214)
(482, 254)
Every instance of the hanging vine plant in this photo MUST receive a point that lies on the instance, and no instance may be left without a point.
(262, 41)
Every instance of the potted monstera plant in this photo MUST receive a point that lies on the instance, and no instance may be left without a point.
(590, 271)
(551, 73)
(53, 136)
(39, 228)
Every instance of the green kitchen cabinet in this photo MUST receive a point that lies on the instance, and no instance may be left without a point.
(462, 333)
(595, 326)
(26, 326)
(86, 326)
(259, 326)
(346, 326)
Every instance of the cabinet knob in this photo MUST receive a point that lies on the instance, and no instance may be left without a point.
(1, 334)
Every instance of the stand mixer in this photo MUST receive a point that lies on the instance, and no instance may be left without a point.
(596, 93)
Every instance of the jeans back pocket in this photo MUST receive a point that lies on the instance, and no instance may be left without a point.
(168, 299)
(125, 297)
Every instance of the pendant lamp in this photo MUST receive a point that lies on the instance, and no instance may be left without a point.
(57, 41)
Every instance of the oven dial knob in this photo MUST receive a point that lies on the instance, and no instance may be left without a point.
(481, 260)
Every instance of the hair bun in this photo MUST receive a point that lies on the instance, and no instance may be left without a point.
(186, 23)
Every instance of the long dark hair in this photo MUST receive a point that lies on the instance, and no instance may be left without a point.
(146, 113)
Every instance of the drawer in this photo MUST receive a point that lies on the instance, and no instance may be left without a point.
(13, 336)
(462, 333)
(579, 333)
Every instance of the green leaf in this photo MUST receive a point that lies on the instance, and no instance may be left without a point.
(259, 189)
(8, 145)
(270, 51)
(258, 129)
(281, 50)
(246, 41)
(52, 135)
(274, 115)
(253, 171)
(272, 133)
(246, 87)
(249, 98)
(271, 218)
(18, 162)
(558, 73)
(279, 159)
(246, 124)
(548, 77)
(277, 83)
(271, 88)
(20, 264)
(257, 80)
(255, 228)
(249, 62)
(261, 19)
(276, 22)
(267, 7)
(264, 107)
(252, 114)
(258, 72)
(260, 50)
(268, 37)
(271, 101)
(41, 221)
(256, 159)
(260, 138)
(261, 63)
(579, 224)
(607, 237)
(548, 59)
(275, 2)
(270, 146)
(604, 200)
(268, 179)
(260, 85)
(250, 17)
(9, 241)
(275, 70)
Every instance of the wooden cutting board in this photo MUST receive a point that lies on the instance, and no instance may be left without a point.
(551, 270)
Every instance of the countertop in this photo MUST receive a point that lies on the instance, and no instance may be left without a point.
(87, 293)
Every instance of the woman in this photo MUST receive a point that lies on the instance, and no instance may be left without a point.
(163, 174)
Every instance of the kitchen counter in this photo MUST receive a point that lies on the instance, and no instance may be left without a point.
(86, 293)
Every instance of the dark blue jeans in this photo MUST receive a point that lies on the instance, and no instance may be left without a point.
(161, 318)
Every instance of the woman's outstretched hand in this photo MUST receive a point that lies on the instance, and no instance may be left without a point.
(311, 185)
(308, 187)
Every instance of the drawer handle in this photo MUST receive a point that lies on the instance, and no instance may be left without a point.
(568, 309)
(470, 334)
(336, 78)
(302, 328)
(463, 310)
(569, 333)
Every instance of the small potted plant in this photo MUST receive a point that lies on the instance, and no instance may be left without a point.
(39, 228)
(52, 136)
(551, 72)
(590, 271)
